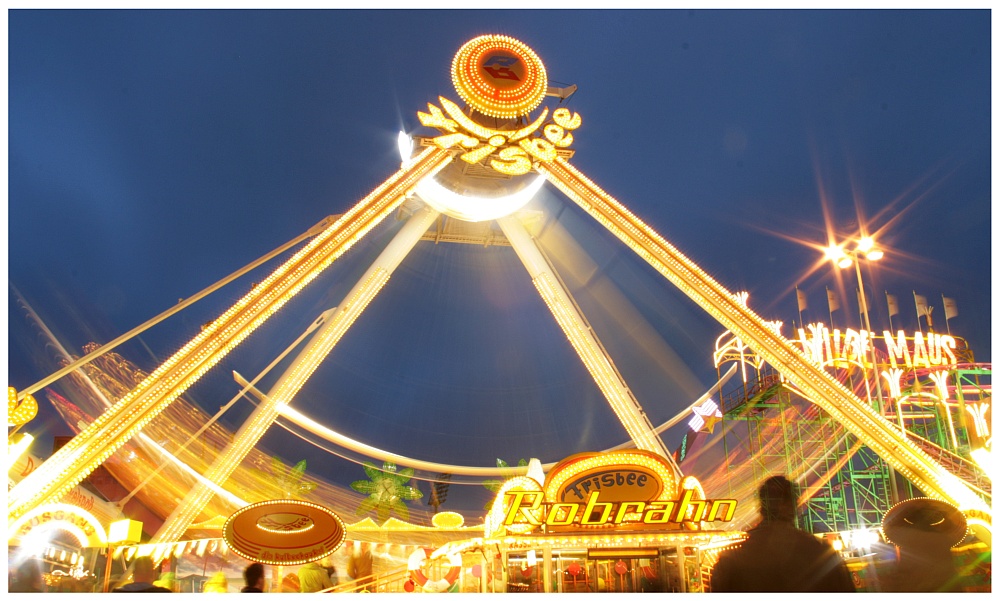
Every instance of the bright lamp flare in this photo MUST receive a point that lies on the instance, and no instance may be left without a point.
(405, 145)
(874, 255)
(467, 208)
(866, 244)
(16, 446)
(983, 457)
(844, 263)
(472, 208)
(834, 252)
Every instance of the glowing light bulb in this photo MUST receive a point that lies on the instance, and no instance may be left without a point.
(874, 255)
(844, 263)
(471, 208)
(866, 244)
(833, 252)
(983, 457)
(405, 145)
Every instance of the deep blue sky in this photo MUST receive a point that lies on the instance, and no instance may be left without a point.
(153, 152)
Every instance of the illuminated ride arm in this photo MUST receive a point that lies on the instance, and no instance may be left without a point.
(817, 384)
(585, 342)
(81, 455)
(297, 373)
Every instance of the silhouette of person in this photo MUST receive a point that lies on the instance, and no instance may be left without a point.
(253, 576)
(778, 557)
(218, 583)
(290, 583)
(359, 567)
(29, 578)
(313, 578)
(143, 576)
(167, 580)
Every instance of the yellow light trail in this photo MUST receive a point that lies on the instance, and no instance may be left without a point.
(585, 342)
(81, 455)
(817, 384)
(291, 381)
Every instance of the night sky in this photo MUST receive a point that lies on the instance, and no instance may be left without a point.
(151, 153)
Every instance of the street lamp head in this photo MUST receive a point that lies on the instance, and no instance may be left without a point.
(834, 253)
(866, 244)
(874, 255)
(844, 262)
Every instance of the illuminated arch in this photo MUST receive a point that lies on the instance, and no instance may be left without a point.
(72, 519)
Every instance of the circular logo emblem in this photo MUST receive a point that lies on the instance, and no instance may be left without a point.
(499, 76)
(285, 522)
(284, 532)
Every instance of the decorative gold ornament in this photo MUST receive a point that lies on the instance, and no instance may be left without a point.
(20, 413)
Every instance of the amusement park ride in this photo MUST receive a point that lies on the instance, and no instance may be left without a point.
(487, 160)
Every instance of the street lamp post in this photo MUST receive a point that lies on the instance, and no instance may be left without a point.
(865, 247)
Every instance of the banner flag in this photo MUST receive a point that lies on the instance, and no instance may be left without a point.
(893, 303)
(950, 308)
(921, 302)
(831, 298)
(801, 296)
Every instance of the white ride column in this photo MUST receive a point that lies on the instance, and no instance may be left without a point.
(585, 342)
(292, 380)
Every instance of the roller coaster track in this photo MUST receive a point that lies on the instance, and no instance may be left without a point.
(769, 384)
(762, 389)
(968, 471)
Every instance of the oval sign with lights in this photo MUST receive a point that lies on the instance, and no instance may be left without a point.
(499, 76)
(618, 476)
(284, 532)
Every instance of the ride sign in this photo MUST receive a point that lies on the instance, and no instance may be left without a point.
(631, 489)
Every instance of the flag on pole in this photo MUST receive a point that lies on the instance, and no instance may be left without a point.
(831, 298)
(950, 308)
(921, 302)
(893, 303)
(801, 296)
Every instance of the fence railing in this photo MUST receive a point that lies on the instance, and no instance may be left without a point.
(390, 581)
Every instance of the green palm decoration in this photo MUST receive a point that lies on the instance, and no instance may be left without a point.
(289, 481)
(387, 490)
(494, 485)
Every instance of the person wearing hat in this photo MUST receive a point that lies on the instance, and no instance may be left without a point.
(778, 557)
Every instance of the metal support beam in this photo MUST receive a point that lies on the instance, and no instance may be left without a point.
(585, 342)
